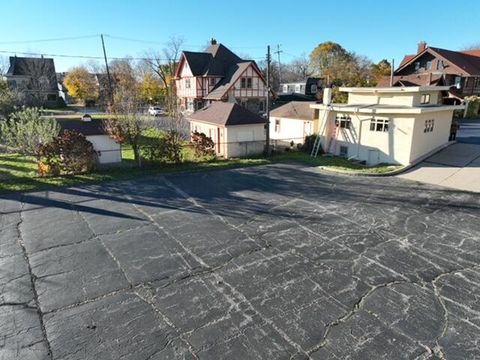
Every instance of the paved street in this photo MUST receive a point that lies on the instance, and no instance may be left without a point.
(270, 262)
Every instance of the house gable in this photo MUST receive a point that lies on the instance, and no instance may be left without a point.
(443, 61)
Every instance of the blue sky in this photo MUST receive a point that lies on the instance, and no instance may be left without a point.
(376, 29)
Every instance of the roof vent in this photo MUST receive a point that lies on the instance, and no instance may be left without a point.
(213, 41)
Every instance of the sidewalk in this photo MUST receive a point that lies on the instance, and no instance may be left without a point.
(457, 166)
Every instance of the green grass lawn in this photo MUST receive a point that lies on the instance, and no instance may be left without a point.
(19, 172)
(335, 163)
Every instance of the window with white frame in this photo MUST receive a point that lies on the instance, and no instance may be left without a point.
(429, 124)
(440, 65)
(187, 84)
(425, 99)
(277, 125)
(417, 65)
(429, 65)
(344, 122)
(379, 125)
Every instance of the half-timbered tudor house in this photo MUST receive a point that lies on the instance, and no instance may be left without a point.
(217, 74)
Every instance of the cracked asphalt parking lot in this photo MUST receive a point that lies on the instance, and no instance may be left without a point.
(269, 262)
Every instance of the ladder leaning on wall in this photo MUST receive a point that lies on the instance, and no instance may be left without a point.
(318, 142)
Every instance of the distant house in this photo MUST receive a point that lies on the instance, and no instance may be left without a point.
(217, 74)
(441, 67)
(398, 125)
(109, 152)
(235, 130)
(310, 87)
(35, 79)
(292, 122)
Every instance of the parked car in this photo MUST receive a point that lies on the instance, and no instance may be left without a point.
(156, 111)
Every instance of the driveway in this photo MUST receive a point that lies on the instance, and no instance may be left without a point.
(270, 262)
(457, 166)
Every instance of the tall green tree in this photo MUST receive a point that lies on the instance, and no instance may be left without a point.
(331, 61)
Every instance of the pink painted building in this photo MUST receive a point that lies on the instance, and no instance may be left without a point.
(217, 74)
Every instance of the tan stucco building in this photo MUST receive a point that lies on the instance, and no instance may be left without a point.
(397, 125)
(236, 131)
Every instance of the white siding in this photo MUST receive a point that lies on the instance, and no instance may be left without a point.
(290, 130)
(109, 151)
(245, 140)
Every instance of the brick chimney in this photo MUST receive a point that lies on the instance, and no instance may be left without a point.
(422, 45)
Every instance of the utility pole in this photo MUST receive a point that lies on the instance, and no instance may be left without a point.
(278, 52)
(267, 102)
(110, 87)
(392, 67)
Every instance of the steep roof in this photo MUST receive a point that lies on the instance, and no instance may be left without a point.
(222, 59)
(406, 59)
(197, 61)
(232, 75)
(467, 61)
(35, 68)
(295, 110)
(228, 114)
(214, 61)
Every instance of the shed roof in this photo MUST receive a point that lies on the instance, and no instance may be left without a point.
(300, 110)
(227, 114)
(87, 128)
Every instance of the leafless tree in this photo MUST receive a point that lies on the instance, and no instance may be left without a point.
(164, 65)
(297, 70)
(472, 46)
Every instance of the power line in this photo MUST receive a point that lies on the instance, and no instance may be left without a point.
(49, 40)
(89, 57)
(79, 56)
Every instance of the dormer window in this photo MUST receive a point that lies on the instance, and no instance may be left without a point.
(425, 99)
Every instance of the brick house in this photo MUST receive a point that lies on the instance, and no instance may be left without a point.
(217, 74)
(435, 66)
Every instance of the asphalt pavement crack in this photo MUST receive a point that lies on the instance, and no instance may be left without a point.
(32, 282)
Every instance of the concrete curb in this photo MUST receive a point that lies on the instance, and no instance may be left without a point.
(390, 173)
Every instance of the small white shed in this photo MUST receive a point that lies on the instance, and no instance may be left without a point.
(109, 152)
(292, 122)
